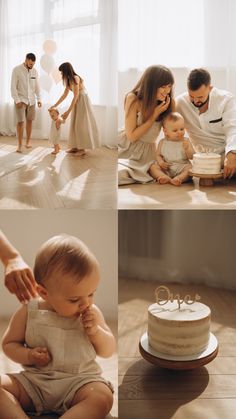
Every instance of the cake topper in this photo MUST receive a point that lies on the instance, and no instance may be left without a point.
(200, 148)
(168, 296)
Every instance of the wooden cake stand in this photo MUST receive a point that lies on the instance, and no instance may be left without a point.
(178, 362)
(206, 180)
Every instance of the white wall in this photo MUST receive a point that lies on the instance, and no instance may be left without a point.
(27, 230)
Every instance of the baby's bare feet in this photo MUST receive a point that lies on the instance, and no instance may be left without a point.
(164, 179)
(176, 181)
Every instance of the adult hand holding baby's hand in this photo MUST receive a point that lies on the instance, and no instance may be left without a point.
(39, 356)
(65, 115)
(89, 321)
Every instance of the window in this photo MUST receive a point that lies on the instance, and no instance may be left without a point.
(158, 32)
(75, 26)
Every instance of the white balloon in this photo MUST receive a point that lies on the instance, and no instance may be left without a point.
(45, 82)
(49, 46)
(47, 63)
(56, 75)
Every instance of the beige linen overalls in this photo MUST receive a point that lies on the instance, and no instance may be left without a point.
(52, 388)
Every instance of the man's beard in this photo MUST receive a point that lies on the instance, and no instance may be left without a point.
(201, 104)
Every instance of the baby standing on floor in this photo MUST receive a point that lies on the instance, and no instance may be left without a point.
(57, 337)
(83, 132)
(55, 131)
(173, 152)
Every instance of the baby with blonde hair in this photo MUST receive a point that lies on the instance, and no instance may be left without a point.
(57, 337)
(173, 152)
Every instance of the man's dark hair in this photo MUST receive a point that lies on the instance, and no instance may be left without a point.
(30, 56)
(197, 78)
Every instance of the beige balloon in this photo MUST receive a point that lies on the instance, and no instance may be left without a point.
(47, 63)
(49, 46)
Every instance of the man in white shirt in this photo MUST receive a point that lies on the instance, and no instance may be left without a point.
(210, 117)
(24, 88)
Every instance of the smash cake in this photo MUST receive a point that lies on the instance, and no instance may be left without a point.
(178, 327)
(206, 163)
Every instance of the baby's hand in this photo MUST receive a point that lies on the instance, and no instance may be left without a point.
(164, 165)
(89, 321)
(39, 357)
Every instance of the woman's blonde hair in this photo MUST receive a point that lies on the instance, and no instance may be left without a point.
(65, 254)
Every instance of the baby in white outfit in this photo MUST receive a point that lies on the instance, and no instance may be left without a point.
(55, 132)
(173, 153)
(57, 337)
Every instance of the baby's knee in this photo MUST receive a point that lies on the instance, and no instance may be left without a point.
(104, 401)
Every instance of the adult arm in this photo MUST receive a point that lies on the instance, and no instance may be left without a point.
(76, 89)
(229, 124)
(60, 100)
(98, 331)
(19, 278)
(14, 92)
(37, 90)
(13, 342)
(132, 130)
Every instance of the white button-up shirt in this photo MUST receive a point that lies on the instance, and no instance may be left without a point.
(24, 85)
(215, 129)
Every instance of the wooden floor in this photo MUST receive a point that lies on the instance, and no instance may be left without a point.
(109, 367)
(187, 196)
(147, 391)
(61, 181)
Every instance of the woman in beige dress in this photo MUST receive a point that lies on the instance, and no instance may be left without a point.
(83, 132)
(145, 107)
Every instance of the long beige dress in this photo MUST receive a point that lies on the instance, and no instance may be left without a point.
(83, 132)
(135, 158)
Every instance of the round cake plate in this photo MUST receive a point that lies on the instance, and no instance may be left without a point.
(178, 362)
(206, 179)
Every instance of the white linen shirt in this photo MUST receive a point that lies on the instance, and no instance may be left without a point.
(215, 128)
(24, 85)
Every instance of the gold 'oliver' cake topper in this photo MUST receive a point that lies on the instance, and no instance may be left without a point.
(168, 296)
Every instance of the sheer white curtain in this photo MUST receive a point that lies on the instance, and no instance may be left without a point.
(178, 246)
(154, 31)
(83, 30)
(181, 34)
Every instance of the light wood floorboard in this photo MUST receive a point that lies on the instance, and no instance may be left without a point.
(109, 367)
(187, 196)
(61, 181)
(147, 391)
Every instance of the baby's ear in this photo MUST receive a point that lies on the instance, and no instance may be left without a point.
(42, 291)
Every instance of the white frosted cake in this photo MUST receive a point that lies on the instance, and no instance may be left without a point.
(179, 331)
(206, 163)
